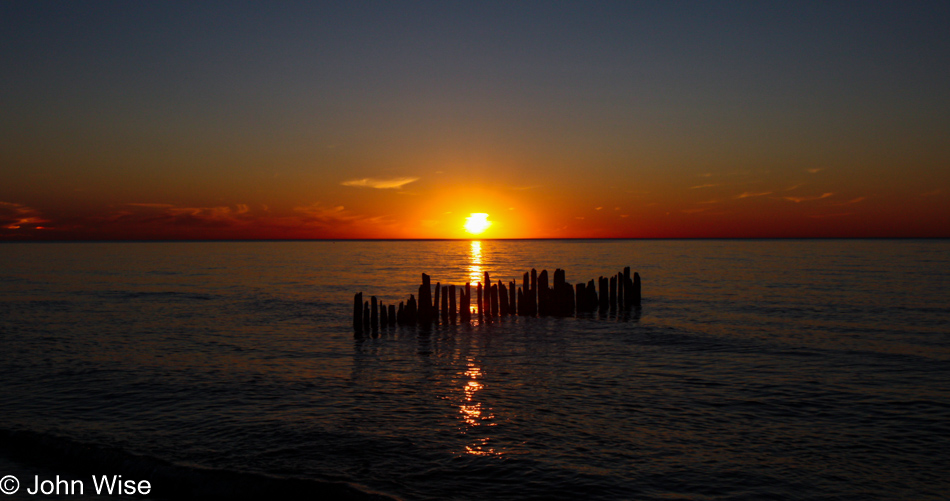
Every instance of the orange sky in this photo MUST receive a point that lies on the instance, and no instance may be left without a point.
(614, 120)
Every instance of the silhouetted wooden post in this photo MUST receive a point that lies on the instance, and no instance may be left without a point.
(544, 293)
(358, 312)
(452, 310)
(465, 307)
(591, 295)
(627, 288)
(513, 299)
(603, 295)
(487, 286)
(411, 310)
(478, 291)
(445, 305)
(567, 299)
(435, 301)
(401, 314)
(374, 314)
(532, 295)
(425, 300)
(365, 316)
(494, 300)
(523, 296)
(636, 289)
(502, 299)
(383, 317)
(620, 289)
(613, 293)
(392, 315)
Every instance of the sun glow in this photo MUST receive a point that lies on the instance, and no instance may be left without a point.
(477, 222)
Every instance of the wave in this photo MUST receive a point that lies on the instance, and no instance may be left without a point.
(168, 480)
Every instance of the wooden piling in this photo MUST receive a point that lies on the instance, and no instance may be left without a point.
(452, 309)
(425, 300)
(465, 305)
(544, 301)
(383, 316)
(478, 291)
(512, 299)
(411, 310)
(621, 290)
(392, 315)
(502, 299)
(531, 296)
(366, 316)
(613, 293)
(494, 300)
(373, 314)
(445, 304)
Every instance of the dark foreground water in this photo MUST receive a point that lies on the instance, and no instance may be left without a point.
(753, 370)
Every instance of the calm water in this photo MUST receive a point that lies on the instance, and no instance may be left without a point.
(754, 370)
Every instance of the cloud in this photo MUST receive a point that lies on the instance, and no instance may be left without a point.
(152, 214)
(337, 218)
(808, 199)
(852, 201)
(702, 186)
(598, 208)
(18, 216)
(380, 184)
(814, 171)
(751, 194)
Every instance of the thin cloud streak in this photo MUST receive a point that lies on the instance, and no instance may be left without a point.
(808, 199)
(751, 194)
(380, 184)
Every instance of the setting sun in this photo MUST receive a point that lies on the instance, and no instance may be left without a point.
(477, 222)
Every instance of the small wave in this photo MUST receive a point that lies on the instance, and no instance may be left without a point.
(169, 480)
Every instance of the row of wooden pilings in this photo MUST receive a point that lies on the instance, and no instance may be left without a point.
(533, 298)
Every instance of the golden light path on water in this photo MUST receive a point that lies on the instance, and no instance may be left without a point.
(475, 271)
(473, 413)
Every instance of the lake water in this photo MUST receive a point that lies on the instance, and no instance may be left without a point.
(753, 370)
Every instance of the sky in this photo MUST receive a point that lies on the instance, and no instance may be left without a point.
(298, 120)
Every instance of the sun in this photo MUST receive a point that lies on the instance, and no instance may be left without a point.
(477, 222)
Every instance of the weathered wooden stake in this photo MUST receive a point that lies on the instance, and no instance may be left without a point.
(445, 304)
(478, 291)
(374, 314)
(411, 310)
(392, 315)
(544, 293)
(613, 293)
(494, 300)
(383, 317)
(502, 299)
(365, 316)
(621, 290)
(452, 310)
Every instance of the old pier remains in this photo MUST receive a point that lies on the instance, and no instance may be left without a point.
(537, 296)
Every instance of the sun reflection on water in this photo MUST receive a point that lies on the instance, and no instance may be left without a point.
(475, 271)
(473, 413)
